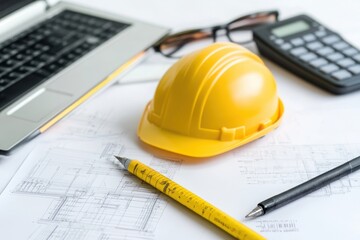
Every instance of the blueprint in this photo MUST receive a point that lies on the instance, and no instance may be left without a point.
(69, 187)
(83, 193)
(87, 191)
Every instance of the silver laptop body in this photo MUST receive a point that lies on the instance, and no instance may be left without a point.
(48, 102)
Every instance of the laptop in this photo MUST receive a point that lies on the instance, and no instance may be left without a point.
(55, 56)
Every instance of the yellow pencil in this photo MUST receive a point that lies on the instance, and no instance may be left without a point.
(189, 200)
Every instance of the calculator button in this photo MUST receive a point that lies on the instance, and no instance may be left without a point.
(318, 62)
(314, 45)
(356, 57)
(320, 33)
(285, 46)
(298, 51)
(346, 62)
(335, 56)
(329, 68)
(342, 74)
(308, 57)
(309, 37)
(350, 51)
(331, 39)
(325, 51)
(297, 41)
(340, 45)
(355, 69)
(279, 41)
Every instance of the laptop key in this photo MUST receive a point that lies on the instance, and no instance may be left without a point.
(92, 40)
(62, 62)
(35, 63)
(24, 69)
(70, 56)
(3, 70)
(60, 32)
(51, 67)
(41, 47)
(13, 75)
(21, 57)
(30, 52)
(43, 72)
(9, 51)
(45, 57)
(8, 63)
(55, 46)
(3, 57)
(4, 82)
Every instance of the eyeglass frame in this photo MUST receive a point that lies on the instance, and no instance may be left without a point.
(213, 31)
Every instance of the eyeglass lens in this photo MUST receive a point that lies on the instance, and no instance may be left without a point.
(183, 43)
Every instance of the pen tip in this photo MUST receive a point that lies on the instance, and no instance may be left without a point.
(256, 212)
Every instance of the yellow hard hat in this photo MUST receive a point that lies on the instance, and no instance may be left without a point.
(211, 101)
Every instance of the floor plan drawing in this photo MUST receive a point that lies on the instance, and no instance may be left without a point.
(91, 196)
(293, 164)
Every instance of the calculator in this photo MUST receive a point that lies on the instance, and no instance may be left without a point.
(312, 51)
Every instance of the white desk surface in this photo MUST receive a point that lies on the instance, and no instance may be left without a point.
(298, 96)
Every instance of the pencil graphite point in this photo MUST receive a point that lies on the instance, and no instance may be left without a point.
(123, 161)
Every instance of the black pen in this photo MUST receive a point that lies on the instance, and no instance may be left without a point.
(305, 188)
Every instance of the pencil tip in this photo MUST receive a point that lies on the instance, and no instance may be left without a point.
(123, 161)
(256, 212)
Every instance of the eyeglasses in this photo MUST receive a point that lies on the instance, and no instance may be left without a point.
(237, 31)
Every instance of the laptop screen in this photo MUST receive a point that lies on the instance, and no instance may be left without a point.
(9, 6)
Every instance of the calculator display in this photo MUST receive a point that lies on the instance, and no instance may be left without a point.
(291, 28)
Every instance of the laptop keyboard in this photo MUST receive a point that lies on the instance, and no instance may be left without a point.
(35, 55)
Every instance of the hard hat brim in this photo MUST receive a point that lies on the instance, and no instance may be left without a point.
(194, 147)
